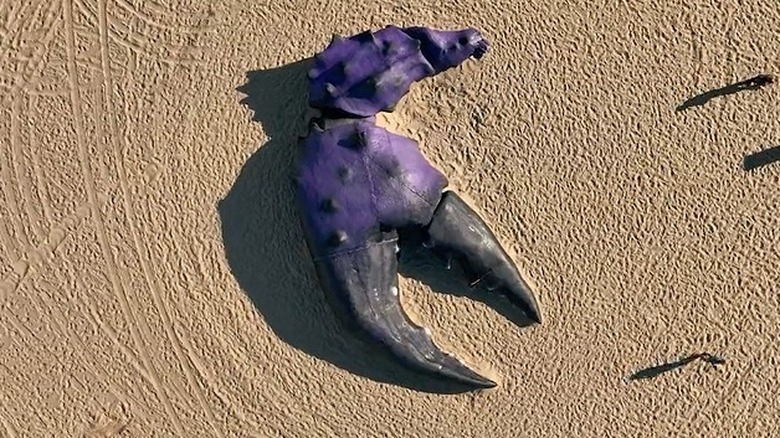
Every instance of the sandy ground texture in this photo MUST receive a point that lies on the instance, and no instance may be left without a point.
(154, 278)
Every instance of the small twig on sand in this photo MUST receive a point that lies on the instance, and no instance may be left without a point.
(753, 83)
(655, 371)
(712, 359)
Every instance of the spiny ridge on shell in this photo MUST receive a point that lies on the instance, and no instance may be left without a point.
(371, 71)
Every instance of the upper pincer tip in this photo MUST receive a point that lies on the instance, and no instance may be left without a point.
(481, 48)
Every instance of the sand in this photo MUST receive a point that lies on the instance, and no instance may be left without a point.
(154, 278)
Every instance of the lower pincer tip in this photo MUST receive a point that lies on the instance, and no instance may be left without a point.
(481, 49)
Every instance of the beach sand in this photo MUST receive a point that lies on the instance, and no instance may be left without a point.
(155, 281)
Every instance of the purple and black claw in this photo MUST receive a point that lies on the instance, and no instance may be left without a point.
(359, 183)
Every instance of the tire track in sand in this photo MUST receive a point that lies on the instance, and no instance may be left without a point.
(16, 92)
(45, 305)
(15, 238)
(31, 257)
(15, 246)
(51, 24)
(118, 287)
(9, 430)
(6, 243)
(147, 19)
(44, 255)
(144, 255)
(21, 341)
(14, 17)
(140, 44)
(20, 80)
(40, 175)
(25, 187)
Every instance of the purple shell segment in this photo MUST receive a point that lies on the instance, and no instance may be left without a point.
(355, 178)
(413, 185)
(371, 71)
(445, 49)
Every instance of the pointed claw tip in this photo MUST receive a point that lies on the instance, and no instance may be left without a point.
(534, 314)
(485, 383)
(470, 378)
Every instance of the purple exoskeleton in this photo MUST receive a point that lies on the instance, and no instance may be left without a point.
(359, 184)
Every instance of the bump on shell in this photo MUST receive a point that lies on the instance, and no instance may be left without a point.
(365, 37)
(388, 48)
(329, 205)
(314, 125)
(393, 168)
(357, 140)
(345, 175)
(337, 238)
(356, 75)
(360, 138)
(346, 69)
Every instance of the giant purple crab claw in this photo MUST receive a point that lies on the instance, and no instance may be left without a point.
(358, 184)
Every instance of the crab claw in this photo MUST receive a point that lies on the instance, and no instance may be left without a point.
(363, 286)
(457, 232)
